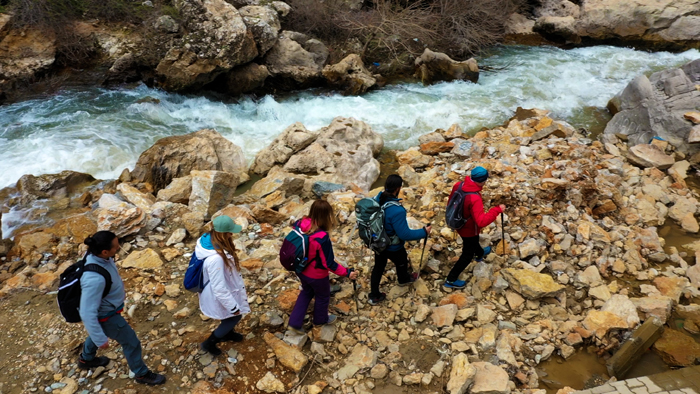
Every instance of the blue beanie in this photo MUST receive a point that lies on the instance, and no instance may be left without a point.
(480, 174)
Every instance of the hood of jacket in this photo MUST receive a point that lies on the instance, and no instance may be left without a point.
(204, 247)
(303, 225)
(470, 186)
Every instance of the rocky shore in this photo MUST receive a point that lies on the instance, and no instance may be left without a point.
(581, 266)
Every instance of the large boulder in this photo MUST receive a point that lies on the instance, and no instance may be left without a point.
(264, 23)
(211, 191)
(434, 67)
(175, 157)
(217, 40)
(245, 79)
(655, 106)
(49, 186)
(292, 140)
(558, 29)
(119, 216)
(648, 155)
(25, 53)
(350, 75)
(296, 61)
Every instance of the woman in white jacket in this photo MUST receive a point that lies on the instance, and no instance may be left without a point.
(224, 297)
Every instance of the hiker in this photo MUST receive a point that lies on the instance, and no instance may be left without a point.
(476, 219)
(223, 297)
(314, 278)
(397, 229)
(102, 315)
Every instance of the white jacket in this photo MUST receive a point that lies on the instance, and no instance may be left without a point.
(225, 291)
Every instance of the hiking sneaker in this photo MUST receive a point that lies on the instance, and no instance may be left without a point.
(457, 284)
(377, 300)
(295, 330)
(210, 345)
(94, 363)
(232, 336)
(412, 278)
(151, 379)
(487, 250)
(332, 319)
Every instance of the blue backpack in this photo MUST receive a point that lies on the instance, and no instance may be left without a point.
(194, 276)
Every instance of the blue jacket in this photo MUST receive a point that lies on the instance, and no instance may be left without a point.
(395, 224)
(92, 306)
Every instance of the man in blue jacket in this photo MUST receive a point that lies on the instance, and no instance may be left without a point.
(102, 316)
(397, 229)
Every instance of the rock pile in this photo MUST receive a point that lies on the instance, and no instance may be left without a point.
(582, 263)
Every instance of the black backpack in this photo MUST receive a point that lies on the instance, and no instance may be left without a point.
(454, 214)
(69, 289)
(370, 224)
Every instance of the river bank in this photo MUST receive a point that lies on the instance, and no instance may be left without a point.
(584, 263)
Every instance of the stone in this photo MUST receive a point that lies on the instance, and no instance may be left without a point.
(461, 375)
(438, 368)
(177, 156)
(621, 306)
(677, 348)
(658, 306)
(689, 224)
(296, 61)
(528, 248)
(361, 357)
(327, 333)
(590, 276)
(444, 316)
(294, 339)
(178, 191)
(413, 378)
(490, 379)
(122, 219)
(78, 227)
(530, 284)
(147, 259)
(601, 322)
(71, 386)
(217, 40)
(321, 188)
(350, 75)
(413, 158)
(434, 148)
(514, 300)
(692, 116)
(176, 237)
(263, 22)
(484, 315)
(24, 53)
(136, 197)
(422, 313)
(211, 191)
(379, 371)
(246, 78)
(292, 140)
(694, 135)
(173, 290)
(167, 24)
(459, 299)
(435, 66)
(671, 287)
(39, 242)
(270, 384)
(682, 207)
(44, 281)
(182, 313)
(600, 293)
(289, 356)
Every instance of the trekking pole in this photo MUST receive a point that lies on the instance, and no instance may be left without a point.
(354, 295)
(425, 242)
(503, 234)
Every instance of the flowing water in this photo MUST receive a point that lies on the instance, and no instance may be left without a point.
(103, 131)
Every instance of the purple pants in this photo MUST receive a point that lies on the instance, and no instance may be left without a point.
(310, 288)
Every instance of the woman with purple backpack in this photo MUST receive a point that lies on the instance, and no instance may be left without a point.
(314, 278)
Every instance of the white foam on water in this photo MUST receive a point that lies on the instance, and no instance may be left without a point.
(101, 131)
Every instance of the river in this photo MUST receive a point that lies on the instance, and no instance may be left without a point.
(102, 131)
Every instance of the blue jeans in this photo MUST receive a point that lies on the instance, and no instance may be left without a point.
(118, 329)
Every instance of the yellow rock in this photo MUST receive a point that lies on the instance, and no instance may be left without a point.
(146, 259)
(601, 322)
(530, 284)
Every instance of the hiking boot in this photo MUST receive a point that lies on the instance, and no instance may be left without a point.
(487, 250)
(377, 300)
(151, 379)
(210, 345)
(332, 319)
(94, 363)
(457, 284)
(412, 278)
(295, 330)
(232, 336)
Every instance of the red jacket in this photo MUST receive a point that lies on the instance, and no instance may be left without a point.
(474, 210)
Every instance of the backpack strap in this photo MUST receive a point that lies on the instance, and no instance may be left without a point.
(394, 239)
(105, 274)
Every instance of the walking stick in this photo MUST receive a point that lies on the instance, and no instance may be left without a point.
(354, 295)
(425, 242)
(503, 234)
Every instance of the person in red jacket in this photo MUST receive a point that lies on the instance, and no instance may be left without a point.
(477, 219)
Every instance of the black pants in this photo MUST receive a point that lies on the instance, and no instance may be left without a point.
(470, 249)
(227, 326)
(400, 260)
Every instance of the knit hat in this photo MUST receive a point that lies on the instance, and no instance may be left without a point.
(224, 224)
(480, 174)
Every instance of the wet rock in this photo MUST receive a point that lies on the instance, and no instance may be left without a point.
(350, 75)
(490, 379)
(531, 284)
(296, 61)
(623, 307)
(287, 355)
(677, 348)
(217, 41)
(211, 191)
(461, 375)
(270, 384)
(146, 259)
(444, 316)
(177, 156)
(245, 79)
(601, 322)
(435, 66)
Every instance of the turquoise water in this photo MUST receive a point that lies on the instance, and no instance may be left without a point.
(103, 131)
